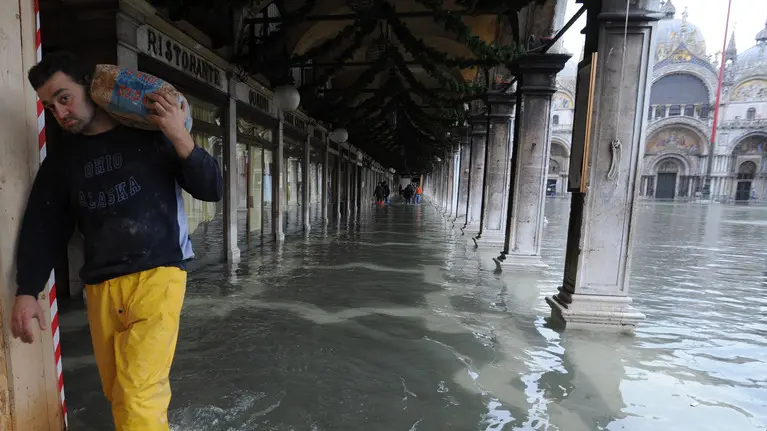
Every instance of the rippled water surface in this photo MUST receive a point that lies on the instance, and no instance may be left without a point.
(396, 323)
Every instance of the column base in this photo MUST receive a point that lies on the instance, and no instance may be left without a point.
(233, 255)
(489, 239)
(470, 229)
(605, 312)
(519, 262)
(279, 237)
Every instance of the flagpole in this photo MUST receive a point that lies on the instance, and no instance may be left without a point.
(712, 147)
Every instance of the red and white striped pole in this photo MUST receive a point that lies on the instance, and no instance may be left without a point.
(51, 284)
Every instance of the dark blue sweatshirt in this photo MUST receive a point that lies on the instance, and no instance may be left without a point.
(123, 189)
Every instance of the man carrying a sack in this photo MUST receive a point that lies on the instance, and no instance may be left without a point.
(122, 187)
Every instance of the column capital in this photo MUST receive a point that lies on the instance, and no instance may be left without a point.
(501, 106)
(538, 72)
(478, 124)
(639, 11)
(465, 136)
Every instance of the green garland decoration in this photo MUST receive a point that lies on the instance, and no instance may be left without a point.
(494, 52)
(359, 37)
(414, 44)
(430, 58)
(471, 91)
(324, 48)
(365, 79)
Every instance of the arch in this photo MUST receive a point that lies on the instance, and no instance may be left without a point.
(679, 88)
(554, 167)
(747, 168)
(687, 165)
(750, 145)
(559, 147)
(701, 128)
(749, 90)
(745, 136)
(562, 100)
(680, 161)
(675, 138)
(706, 76)
(668, 164)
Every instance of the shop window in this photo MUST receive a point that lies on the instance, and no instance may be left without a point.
(200, 213)
(256, 198)
(268, 191)
(205, 112)
(253, 130)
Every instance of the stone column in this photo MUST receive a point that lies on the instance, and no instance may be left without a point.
(464, 176)
(358, 187)
(454, 179)
(348, 189)
(230, 185)
(493, 222)
(306, 200)
(597, 261)
(450, 174)
(445, 175)
(353, 188)
(339, 188)
(324, 190)
(536, 84)
(277, 180)
(477, 173)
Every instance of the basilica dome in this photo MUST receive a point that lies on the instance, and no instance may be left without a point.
(678, 37)
(756, 55)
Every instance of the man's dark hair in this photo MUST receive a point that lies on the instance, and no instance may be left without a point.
(60, 61)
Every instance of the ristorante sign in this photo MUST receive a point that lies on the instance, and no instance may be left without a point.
(163, 48)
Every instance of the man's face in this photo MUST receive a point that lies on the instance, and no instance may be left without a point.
(68, 101)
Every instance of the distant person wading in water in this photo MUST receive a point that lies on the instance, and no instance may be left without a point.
(408, 193)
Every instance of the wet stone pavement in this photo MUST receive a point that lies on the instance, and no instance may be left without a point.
(395, 323)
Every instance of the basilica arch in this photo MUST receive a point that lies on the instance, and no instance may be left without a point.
(672, 162)
(559, 162)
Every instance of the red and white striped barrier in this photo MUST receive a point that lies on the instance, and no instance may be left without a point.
(50, 287)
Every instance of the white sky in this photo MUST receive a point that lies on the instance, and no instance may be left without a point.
(747, 18)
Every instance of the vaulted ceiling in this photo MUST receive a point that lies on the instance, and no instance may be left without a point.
(398, 74)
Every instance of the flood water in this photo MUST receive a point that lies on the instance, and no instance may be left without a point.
(396, 323)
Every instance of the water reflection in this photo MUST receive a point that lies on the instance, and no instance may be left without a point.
(394, 323)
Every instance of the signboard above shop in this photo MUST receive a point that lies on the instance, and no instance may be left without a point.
(176, 55)
(255, 98)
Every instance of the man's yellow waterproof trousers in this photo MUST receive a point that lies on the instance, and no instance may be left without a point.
(134, 327)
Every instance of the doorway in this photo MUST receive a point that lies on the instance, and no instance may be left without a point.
(665, 186)
(746, 173)
(551, 187)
